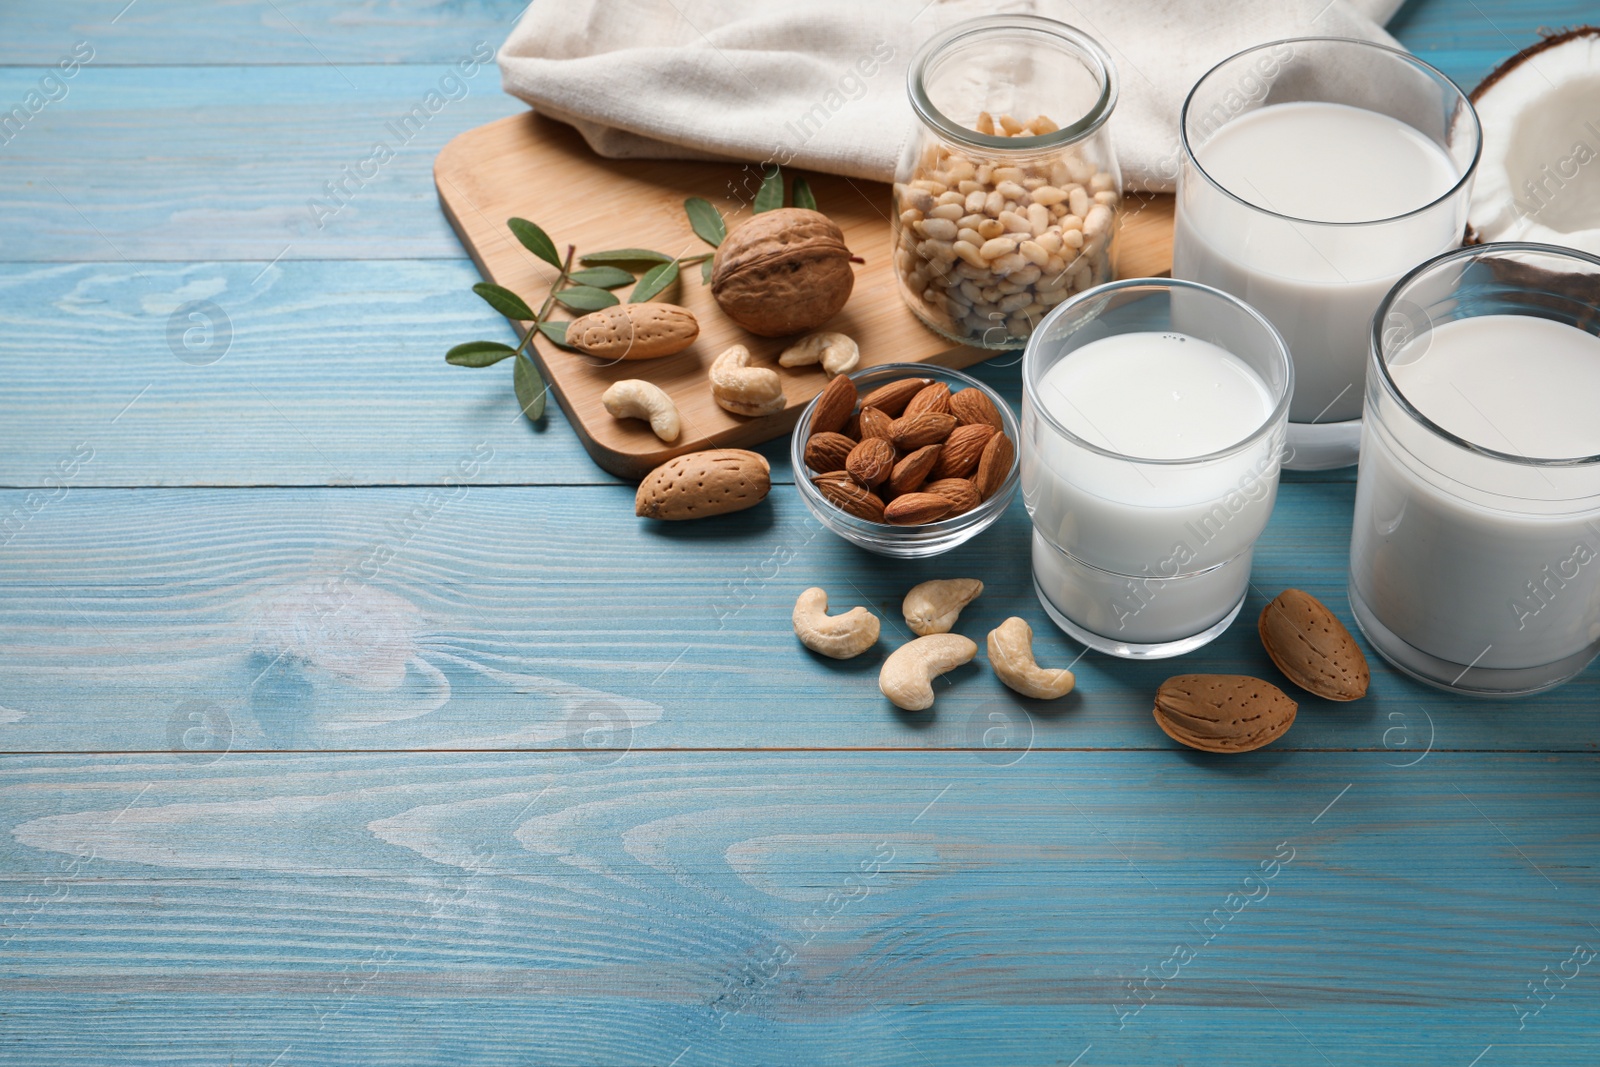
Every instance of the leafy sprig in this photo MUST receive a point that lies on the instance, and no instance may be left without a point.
(582, 290)
(709, 225)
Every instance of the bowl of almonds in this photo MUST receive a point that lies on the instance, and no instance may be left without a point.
(906, 459)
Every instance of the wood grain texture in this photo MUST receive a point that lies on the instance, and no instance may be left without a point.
(1467, 40)
(796, 908)
(253, 32)
(483, 617)
(611, 892)
(534, 167)
(299, 373)
(324, 373)
(202, 163)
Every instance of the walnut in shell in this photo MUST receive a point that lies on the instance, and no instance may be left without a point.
(783, 272)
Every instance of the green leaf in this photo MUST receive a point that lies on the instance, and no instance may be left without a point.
(802, 194)
(530, 388)
(705, 220)
(478, 354)
(641, 259)
(604, 277)
(504, 301)
(585, 298)
(770, 195)
(654, 283)
(705, 272)
(555, 331)
(536, 241)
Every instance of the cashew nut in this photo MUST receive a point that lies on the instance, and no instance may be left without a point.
(908, 674)
(837, 353)
(1011, 656)
(633, 398)
(835, 636)
(742, 389)
(932, 607)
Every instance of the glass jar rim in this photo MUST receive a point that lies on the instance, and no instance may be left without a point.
(1390, 386)
(1083, 126)
(1466, 174)
(1279, 410)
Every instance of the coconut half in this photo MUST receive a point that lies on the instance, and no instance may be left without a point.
(1539, 174)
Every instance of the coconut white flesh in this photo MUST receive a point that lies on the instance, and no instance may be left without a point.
(1539, 176)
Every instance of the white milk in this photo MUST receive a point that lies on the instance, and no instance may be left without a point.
(1470, 560)
(1137, 533)
(1326, 163)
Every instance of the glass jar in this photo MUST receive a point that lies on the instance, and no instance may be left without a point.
(1007, 198)
(1475, 552)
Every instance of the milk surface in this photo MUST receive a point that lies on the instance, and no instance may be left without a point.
(1514, 383)
(1145, 529)
(1156, 395)
(1318, 163)
(1474, 560)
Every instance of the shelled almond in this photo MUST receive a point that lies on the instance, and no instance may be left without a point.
(914, 452)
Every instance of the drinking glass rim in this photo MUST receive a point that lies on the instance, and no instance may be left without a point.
(1080, 128)
(1375, 343)
(1279, 410)
(1449, 194)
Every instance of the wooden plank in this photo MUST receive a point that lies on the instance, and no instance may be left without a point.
(472, 617)
(534, 167)
(1467, 40)
(312, 32)
(324, 373)
(730, 908)
(250, 32)
(242, 151)
(201, 163)
(302, 373)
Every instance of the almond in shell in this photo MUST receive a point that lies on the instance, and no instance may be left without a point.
(827, 451)
(1312, 647)
(634, 331)
(1223, 712)
(700, 484)
(892, 399)
(846, 494)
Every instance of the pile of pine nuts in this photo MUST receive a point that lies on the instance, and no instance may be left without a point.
(987, 246)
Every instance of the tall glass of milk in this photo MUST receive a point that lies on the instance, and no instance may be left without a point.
(1153, 416)
(1475, 556)
(1313, 174)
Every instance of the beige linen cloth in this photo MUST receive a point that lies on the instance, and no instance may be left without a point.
(821, 83)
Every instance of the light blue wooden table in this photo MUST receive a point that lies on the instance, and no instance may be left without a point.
(311, 757)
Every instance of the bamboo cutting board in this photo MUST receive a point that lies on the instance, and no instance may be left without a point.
(539, 169)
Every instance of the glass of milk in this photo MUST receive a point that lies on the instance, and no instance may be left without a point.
(1153, 415)
(1314, 173)
(1475, 555)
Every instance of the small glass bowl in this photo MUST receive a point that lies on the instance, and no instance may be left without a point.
(907, 542)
